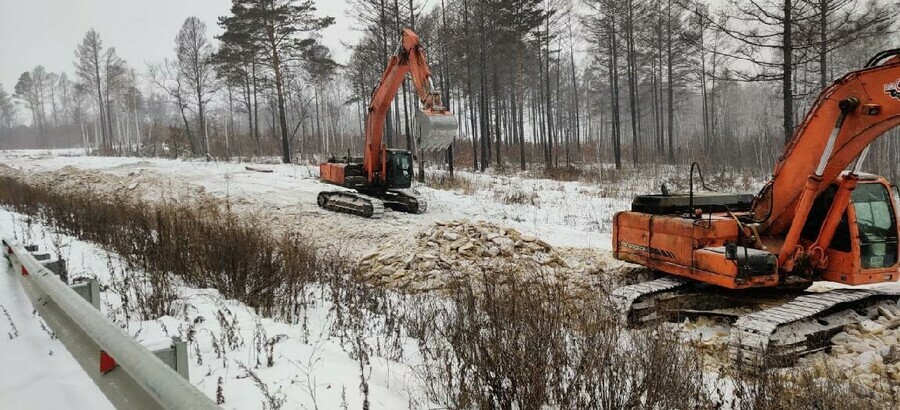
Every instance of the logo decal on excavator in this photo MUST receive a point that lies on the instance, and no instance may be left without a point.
(645, 249)
(893, 89)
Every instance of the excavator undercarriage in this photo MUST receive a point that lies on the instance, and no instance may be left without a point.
(371, 203)
(768, 328)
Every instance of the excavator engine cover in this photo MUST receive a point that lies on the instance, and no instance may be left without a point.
(681, 203)
(436, 131)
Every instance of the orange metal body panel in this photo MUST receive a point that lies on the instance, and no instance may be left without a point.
(679, 246)
(674, 245)
(846, 268)
(332, 172)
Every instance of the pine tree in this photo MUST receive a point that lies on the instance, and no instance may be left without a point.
(88, 63)
(279, 29)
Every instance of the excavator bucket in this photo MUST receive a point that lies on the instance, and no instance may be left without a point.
(436, 131)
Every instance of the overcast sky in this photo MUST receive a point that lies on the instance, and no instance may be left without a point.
(46, 32)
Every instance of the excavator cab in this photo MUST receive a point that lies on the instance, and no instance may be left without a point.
(877, 225)
(399, 168)
(872, 218)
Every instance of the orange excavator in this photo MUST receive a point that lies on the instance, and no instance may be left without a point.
(383, 176)
(750, 258)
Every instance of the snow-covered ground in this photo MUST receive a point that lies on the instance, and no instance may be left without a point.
(569, 214)
(311, 368)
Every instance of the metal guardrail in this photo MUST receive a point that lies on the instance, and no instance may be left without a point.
(129, 374)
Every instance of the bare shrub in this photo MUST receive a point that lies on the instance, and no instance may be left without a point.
(516, 197)
(202, 245)
(148, 295)
(449, 183)
(220, 392)
(273, 400)
(512, 345)
(13, 330)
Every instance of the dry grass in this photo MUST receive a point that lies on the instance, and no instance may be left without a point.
(455, 183)
(514, 345)
(199, 246)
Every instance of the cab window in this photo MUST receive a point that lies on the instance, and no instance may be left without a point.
(400, 169)
(876, 222)
(403, 164)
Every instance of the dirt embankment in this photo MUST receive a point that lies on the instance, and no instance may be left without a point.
(137, 185)
(138, 182)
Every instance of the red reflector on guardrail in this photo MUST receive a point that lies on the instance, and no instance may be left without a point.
(107, 363)
(24, 271)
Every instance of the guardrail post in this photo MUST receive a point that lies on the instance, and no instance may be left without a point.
(89, 289)
(175, 355)
(56, 265)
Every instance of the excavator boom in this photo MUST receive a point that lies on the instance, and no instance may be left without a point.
(878, 90)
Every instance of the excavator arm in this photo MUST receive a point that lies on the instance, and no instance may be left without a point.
(436, 123)
(828, 140)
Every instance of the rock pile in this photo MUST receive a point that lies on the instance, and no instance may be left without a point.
(869, 353)
(445, 253)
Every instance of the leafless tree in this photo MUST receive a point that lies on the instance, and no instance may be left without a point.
(167, 77)
(7, 110)
(116, 82)
(193, 56)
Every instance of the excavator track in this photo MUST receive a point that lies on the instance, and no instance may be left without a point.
(637, 303)
(778, 335)
(351, 203)
(773, 336)
(404, 200)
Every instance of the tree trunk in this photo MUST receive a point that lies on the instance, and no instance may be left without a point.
(614, 95)
(787, 77)
(279, 91)
(823, 47)
(670, 78)
(632, 81)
